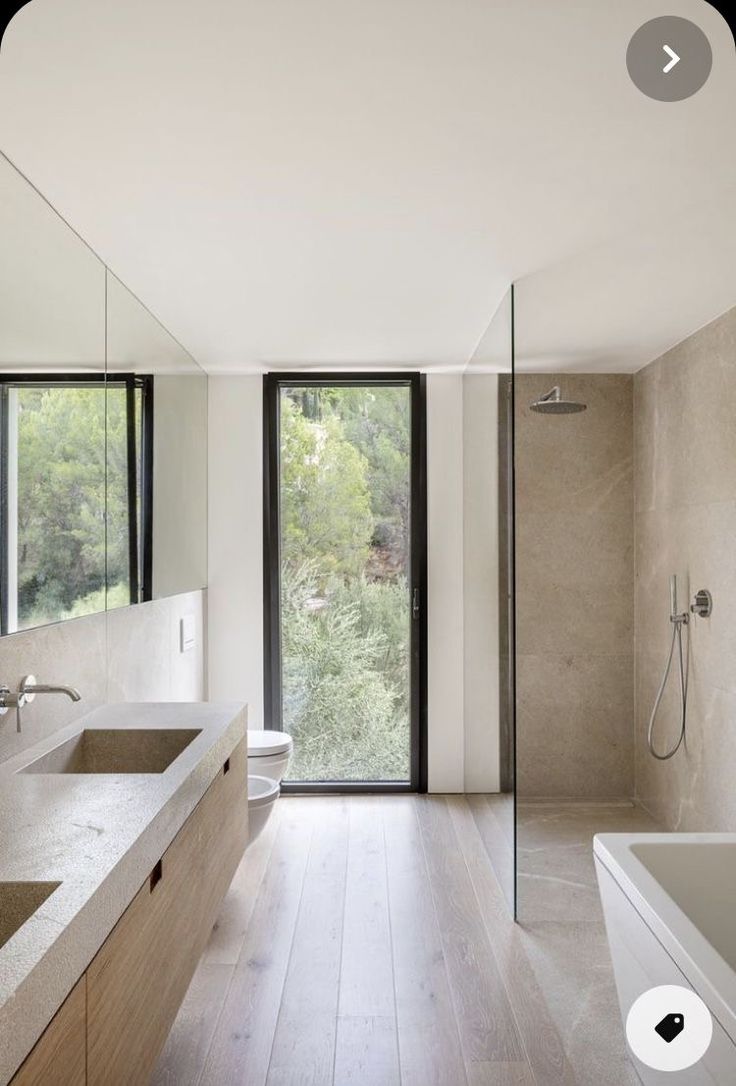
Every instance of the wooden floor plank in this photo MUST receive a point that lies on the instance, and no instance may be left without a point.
(367, 1044)
(303, 1051)
(429, 1043)
(366, 976)
(500, 1074)
(542, 1042)
(182, 1061)
(226, 940)
(366, 1052)
(495, 825)
(241, 1047)
(485, 1020)
(372, 931)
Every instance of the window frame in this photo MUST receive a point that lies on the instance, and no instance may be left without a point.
(140, 545)
(272, 385)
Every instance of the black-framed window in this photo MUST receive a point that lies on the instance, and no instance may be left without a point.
(359, 441)
(75, 467)
(129, 482)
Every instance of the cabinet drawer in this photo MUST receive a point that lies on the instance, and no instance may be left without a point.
(140, 976)
(59, 1057)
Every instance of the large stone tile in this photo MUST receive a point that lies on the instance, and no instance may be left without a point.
(574, 582)
(577, 463)
(72, 653)
(572, 964)
(575, 726)
(139, 652)
(709, 534)
(693, 790)
(574, 588)
(556, 874)
(658, 553)
(696, 543)
(545, 826)
(684, 407)
(188, 668)
(660, 421)
(556, 883)
(563, 933)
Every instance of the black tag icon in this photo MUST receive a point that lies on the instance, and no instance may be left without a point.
(670, 1027)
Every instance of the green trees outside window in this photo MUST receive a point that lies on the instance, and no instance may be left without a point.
(345, 608)
(69, 468)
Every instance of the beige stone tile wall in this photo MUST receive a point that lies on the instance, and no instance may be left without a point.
(685, 523)
(131, 654)
(574, 589)
(610, 503)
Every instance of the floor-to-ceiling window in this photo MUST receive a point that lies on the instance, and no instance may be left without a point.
(345, 532)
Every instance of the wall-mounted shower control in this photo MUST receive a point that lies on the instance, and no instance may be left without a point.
(679, 620)
(702, 605)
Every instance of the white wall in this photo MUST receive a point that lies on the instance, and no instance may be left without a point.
(235, 593)
(462, 579)
(445, 671)
(462, 508)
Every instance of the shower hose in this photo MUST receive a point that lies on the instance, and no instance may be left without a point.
(677, 624)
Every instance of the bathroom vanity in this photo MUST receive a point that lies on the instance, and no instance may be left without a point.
(116, 850)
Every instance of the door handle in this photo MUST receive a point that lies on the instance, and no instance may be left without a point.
(415, 604)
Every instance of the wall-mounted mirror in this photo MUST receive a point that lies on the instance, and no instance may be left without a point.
(156, 457)
(52, 414)
(103, 431)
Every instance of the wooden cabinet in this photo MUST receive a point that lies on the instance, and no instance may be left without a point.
(59, 1057)
(140, 976)
(134, 986)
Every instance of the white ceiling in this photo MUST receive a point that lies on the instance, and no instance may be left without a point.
(343, 183)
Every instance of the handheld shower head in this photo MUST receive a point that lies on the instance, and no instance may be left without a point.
(553, 404)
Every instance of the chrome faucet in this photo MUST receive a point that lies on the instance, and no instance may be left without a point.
(26, 692)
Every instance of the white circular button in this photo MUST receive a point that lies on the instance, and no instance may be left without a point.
(669, 1028)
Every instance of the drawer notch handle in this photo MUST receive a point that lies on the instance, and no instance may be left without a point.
(226, 766)
(156, 875)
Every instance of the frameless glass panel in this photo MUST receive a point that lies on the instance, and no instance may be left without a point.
(345, 550)
(489, 604)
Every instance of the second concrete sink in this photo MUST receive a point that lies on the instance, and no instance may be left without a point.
(18, 903)
(116, 750)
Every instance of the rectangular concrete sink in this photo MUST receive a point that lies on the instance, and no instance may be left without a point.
(116, 750)
(18, 903)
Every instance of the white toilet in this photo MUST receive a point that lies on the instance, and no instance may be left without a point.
(262, 795)
(269, 753)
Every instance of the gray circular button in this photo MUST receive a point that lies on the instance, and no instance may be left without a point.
(669, 58)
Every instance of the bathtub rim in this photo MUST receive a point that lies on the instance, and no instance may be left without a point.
(707, 972)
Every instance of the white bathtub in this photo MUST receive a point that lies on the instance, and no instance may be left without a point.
(669, 901)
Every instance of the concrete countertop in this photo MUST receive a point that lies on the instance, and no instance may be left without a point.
(99, 836)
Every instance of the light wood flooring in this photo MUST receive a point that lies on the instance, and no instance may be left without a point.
(365, 941)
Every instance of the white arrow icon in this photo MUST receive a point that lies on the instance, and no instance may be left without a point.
(675, 59)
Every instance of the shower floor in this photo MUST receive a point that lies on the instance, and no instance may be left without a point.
(563, 930)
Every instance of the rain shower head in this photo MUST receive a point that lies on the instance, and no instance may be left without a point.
(553, 404)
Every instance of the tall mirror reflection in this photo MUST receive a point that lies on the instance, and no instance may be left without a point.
(52, 414)
(156, 457)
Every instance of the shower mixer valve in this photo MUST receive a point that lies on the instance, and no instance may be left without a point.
(702, 605)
